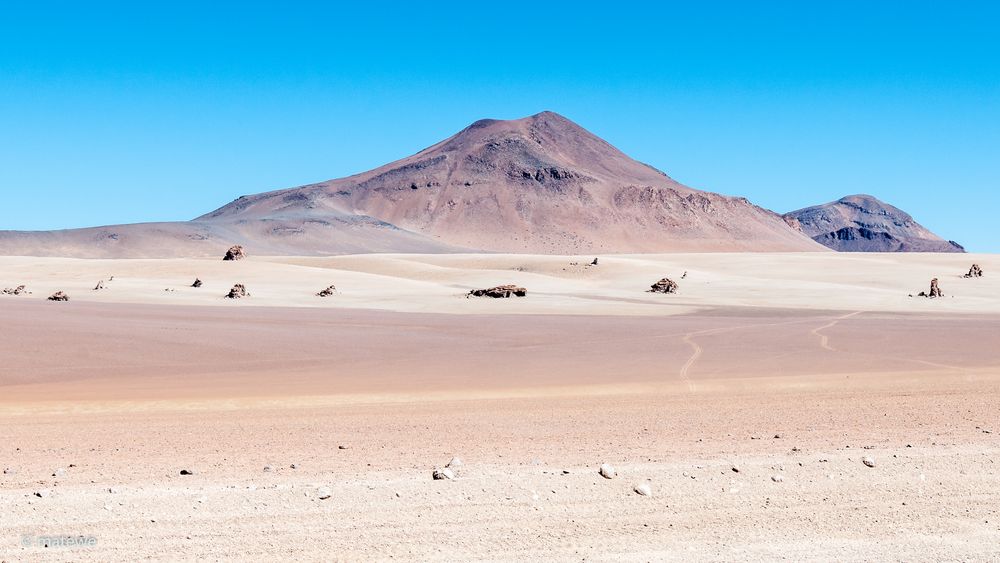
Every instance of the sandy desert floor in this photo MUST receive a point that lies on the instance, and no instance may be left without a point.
(747, 402)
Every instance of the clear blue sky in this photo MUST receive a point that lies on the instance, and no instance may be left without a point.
(134, 112)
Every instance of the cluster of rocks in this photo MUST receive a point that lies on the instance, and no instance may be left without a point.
(935, 290)
(332, 290)
(235, 253)
(15, 291)
(59, 296)
(500, 291)
(974, 272)
(238, 291)
(666, 285)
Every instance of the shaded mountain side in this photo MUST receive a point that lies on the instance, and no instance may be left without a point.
(862, 223)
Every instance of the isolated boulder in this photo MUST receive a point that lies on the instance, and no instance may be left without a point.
(235, 253)
(197, 283)
(666, 285)
(975, 272)
(607, 471)
(99, 286)
(934, 292)
(500, 291)
(59, 296)
(327, 292)
(443, 474)
(594, 263)
(14, 291)
(238, 291)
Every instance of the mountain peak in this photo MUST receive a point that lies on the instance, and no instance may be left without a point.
(864, 223)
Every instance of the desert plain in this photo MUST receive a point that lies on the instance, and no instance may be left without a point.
(794, 406)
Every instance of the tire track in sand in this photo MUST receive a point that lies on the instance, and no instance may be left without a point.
(824, 340)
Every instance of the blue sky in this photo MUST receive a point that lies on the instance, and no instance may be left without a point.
(133, 112)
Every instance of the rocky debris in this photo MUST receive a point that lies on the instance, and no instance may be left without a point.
(323, 493)
(15, 291)
(42, 493)
(666, 285)
(643, 489)
(607, 471)
(455, 462)
(238, 291)
(99, 286)
(440, 474)
(235, 253)
(59, 296)
(332, 290)
(197, 283)
(500, 291)
(868, 461)
(975, 272)
(935, 290)
(778, 478)
(187, 472)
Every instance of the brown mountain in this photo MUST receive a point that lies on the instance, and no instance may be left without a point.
(862, 223)
(541, 184)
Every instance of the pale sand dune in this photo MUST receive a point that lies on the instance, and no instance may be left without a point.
(437, 283)
(131, 384)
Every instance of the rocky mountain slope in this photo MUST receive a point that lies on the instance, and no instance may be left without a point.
(862, 223)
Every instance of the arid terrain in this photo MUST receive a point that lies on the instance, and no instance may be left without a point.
(748, 401)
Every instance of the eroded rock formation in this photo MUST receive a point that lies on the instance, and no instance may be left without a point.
(666, 285)
(15, 291)
(238, 291)
(975, 272)
(500, 291)
(327, 292)
(59, 296)
(235, 253)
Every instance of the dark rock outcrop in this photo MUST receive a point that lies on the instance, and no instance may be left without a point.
(197, 283)
(238, 291)
(862, 223)
(235, 253)
(15, 291)
(327, 292)
(500, 291)
(666, 285)
(975, 272)
(59, 296)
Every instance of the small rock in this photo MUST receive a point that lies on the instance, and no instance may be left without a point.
(294, 466)
(594, 263)
(643, 489)
(114, 490)
(343, 447)
(268, 469)
(607, 471)
(187, 472)
(778, 478)
(59, 472)
(327, 292)
(323, 493)
(197, 283)
(868, 461)
(9, 471)
(59, 296)
(42, 493)
(445, 473)
(99, 286)
(735, 469)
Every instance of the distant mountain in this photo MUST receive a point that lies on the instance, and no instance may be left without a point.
(541, 184)
(862, 223)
